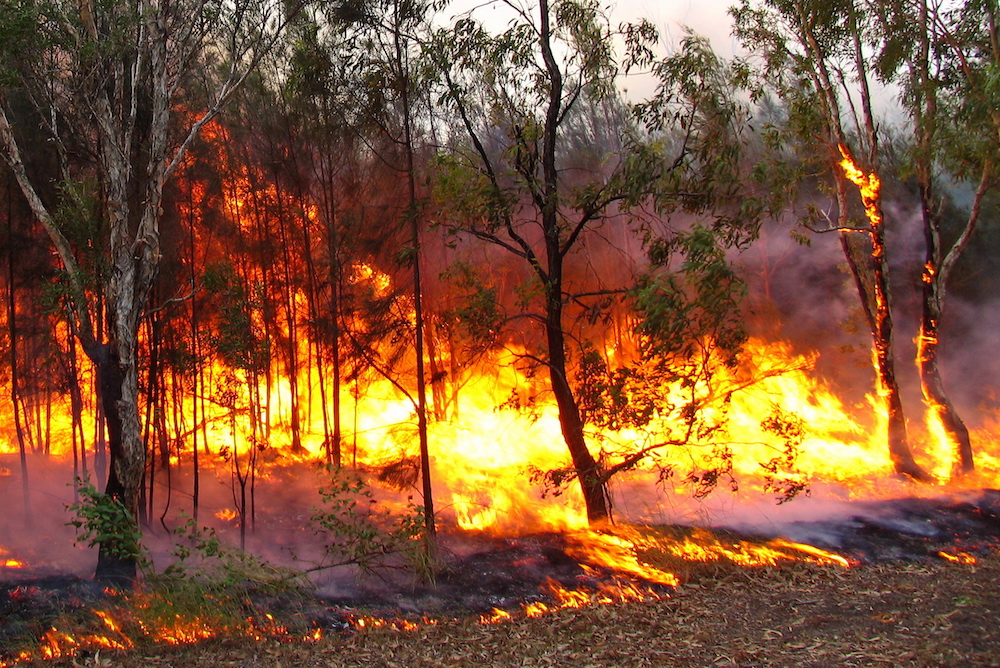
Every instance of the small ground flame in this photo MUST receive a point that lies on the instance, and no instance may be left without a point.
(703, 545)
(8, 561)
(562, 598)
(959, 557)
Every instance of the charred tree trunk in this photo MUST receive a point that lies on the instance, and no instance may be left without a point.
(100, 434)
(418, 312)
(291, 321)
(457, 372)
(48, 416)
(587, 468)
(123, 480)
(256, 441)
(163, 444)
(197, 386)
(76, 408)
(334, 448)
(425, 465)
(148, 427)
(14, 379)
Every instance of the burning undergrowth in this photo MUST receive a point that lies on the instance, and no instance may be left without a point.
(231, 594)
(506, 550)
(227, 593)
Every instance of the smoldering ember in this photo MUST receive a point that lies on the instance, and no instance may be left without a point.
(328, 316)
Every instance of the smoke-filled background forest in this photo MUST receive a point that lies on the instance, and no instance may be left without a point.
(264, 256)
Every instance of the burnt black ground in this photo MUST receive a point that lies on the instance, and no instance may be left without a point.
(909, 528)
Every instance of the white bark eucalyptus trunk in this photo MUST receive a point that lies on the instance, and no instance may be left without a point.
(118, 70)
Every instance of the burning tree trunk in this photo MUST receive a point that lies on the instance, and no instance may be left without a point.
(800, 41)
(933, 286)
(931, 383)
(943, 65)
(875, 297)
(334, 274)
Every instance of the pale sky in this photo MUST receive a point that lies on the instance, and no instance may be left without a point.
(705, 17)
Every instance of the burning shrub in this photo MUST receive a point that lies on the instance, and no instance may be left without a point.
(781, 474)
(212, 586)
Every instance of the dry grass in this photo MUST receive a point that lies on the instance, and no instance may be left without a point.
(928, 613)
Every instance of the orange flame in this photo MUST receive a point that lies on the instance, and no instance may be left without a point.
(480, 452)
(959, 557)
(227, 514)
(495, 616)
(9, 562)
(481, 446)
(606, 594)
(868, 184)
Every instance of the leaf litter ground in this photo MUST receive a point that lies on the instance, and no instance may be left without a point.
(924, 612)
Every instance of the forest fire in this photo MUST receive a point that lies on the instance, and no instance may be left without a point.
(249, 414)
(236, 422)
(481, 455)
(484, 483)
(494, 335)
